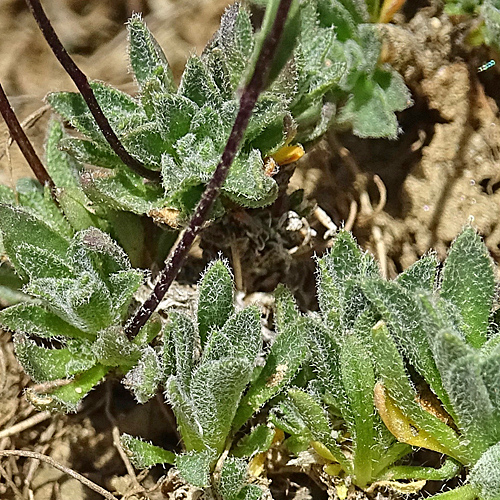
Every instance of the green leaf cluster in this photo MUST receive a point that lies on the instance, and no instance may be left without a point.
(180, 131)
(369, 331)
(77, 287)
(488, 11)
(214, 383)
(332, 78)
(339, 339)
(337, 34)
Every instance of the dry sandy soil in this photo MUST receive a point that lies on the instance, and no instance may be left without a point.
(400, 198)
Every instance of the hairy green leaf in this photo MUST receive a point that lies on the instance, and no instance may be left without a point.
(194, 466)
(67, 397)
(43, 364)
(185, 338)
(143, 380)
(232, 477)
(259, 440)
(282, 363)
(33, 319)
(146, 56)
(420, 275)
(469, 283)
(216, 390)
(240, 337)
(215, 298)
(485, 475)
(143, 454)
(31, 245)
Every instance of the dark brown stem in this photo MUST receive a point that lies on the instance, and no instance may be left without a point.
(247, 102)
(85, 89)
(17, 133)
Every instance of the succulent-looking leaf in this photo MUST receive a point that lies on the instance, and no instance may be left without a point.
(411, 326)
(389, 363)
(325, 353)
(36, 200)
(143, 454)
(67, 397)
(113, 348)
(84, 302)
(259, 440)
(144, 378)
(122, 111)
(61, 167)
(340, 297)
(469, 283)
(403, 428)
(185, 338)
(216, 390)
(460, 367)
(215, 298)
(194, 466)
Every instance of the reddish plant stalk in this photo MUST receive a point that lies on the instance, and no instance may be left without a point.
(17, 133)
(85, 89)
(247, 102)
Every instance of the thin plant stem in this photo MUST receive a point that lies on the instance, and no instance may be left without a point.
(25, 424)
(247, 102)
(49, 460)
(83, 85)
(18, 134)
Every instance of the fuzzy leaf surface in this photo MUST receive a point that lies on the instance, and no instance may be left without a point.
(43, 364)
(194, 466)
(146, 56)
(240, 337)
(469, 283)
(34, 319)
(67, 397)
(144, 378)
(144, 455)
(216, 390)
(215, 299)
(259, 440)
(283, 361)
(411, 327)
(32, 246)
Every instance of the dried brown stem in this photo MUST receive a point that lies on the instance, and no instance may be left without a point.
(17, 133)
(49, 460)
(82, 83)
(247, 102)
(25, 424)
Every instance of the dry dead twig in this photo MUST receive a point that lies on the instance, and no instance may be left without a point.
(49, 460)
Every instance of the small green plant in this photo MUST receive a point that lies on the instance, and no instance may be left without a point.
(488, 13)
(333, 78)
(214, 384)
(368, 94)
(335, 413)
(78, 286)
(367, 334)
(382, 368)
(448, 331)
